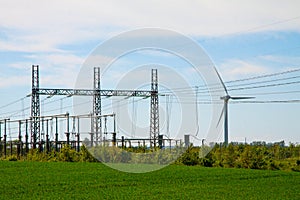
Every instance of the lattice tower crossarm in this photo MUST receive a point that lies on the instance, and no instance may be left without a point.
(89, 92)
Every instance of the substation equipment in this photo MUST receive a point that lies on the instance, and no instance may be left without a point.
(39, 127)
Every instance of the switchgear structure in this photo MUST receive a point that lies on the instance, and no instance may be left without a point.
(97, 93)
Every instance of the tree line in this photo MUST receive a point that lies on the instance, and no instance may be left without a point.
(254, 156)
(257, 156)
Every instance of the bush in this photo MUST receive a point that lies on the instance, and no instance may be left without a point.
(190, 157)
(12, 158)
(85, 155)
(296, 168)
(273, 165)
(207, 162)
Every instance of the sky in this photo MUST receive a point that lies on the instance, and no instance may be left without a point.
(243, 39)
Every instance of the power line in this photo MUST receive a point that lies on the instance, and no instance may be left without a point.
(263, 86)
(185, 90)
(266, 75)
(247, 94)
(266, 81)
(14, 102)
(269, 101)
(272, 93)
(263, 26)
(239, 102)
(205, 87)
(208, 92)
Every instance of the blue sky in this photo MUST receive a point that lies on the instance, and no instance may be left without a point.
(243, 39)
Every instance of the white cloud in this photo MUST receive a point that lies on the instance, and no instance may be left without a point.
(39, 26)
(43, 28)
(63, 60)
(59, 69)
(154, 53)
(236, 69)
(24, 66)
(289, 61)
(14, 81)
(24, 45)
(56, 70)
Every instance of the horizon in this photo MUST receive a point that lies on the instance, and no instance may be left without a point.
(243, 40)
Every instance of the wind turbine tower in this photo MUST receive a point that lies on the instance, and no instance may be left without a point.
(224, 112)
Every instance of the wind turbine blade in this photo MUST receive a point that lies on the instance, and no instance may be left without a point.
(221, 81)
(239, 98)
(222, 113)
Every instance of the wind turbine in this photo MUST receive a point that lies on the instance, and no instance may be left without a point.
(224, 112)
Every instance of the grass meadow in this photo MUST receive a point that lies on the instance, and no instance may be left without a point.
(83, 180)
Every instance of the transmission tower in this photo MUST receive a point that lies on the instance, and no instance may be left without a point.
(35, 106)
(97, 120)
(154, 109)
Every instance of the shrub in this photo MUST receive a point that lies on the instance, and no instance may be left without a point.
(190, 157)
(12, 158)
(296, 168)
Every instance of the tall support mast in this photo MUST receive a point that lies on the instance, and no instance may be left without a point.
(154, 109)
(35, 106)
(226, 121)
(97, 122)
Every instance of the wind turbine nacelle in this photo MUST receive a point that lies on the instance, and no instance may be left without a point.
(227, 97)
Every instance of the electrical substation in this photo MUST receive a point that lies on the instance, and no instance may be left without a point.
(42, 131)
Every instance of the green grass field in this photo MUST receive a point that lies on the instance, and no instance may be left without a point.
(62, 180)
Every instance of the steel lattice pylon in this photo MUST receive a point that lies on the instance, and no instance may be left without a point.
(97, 121)
(154, 109)
(35, 106)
